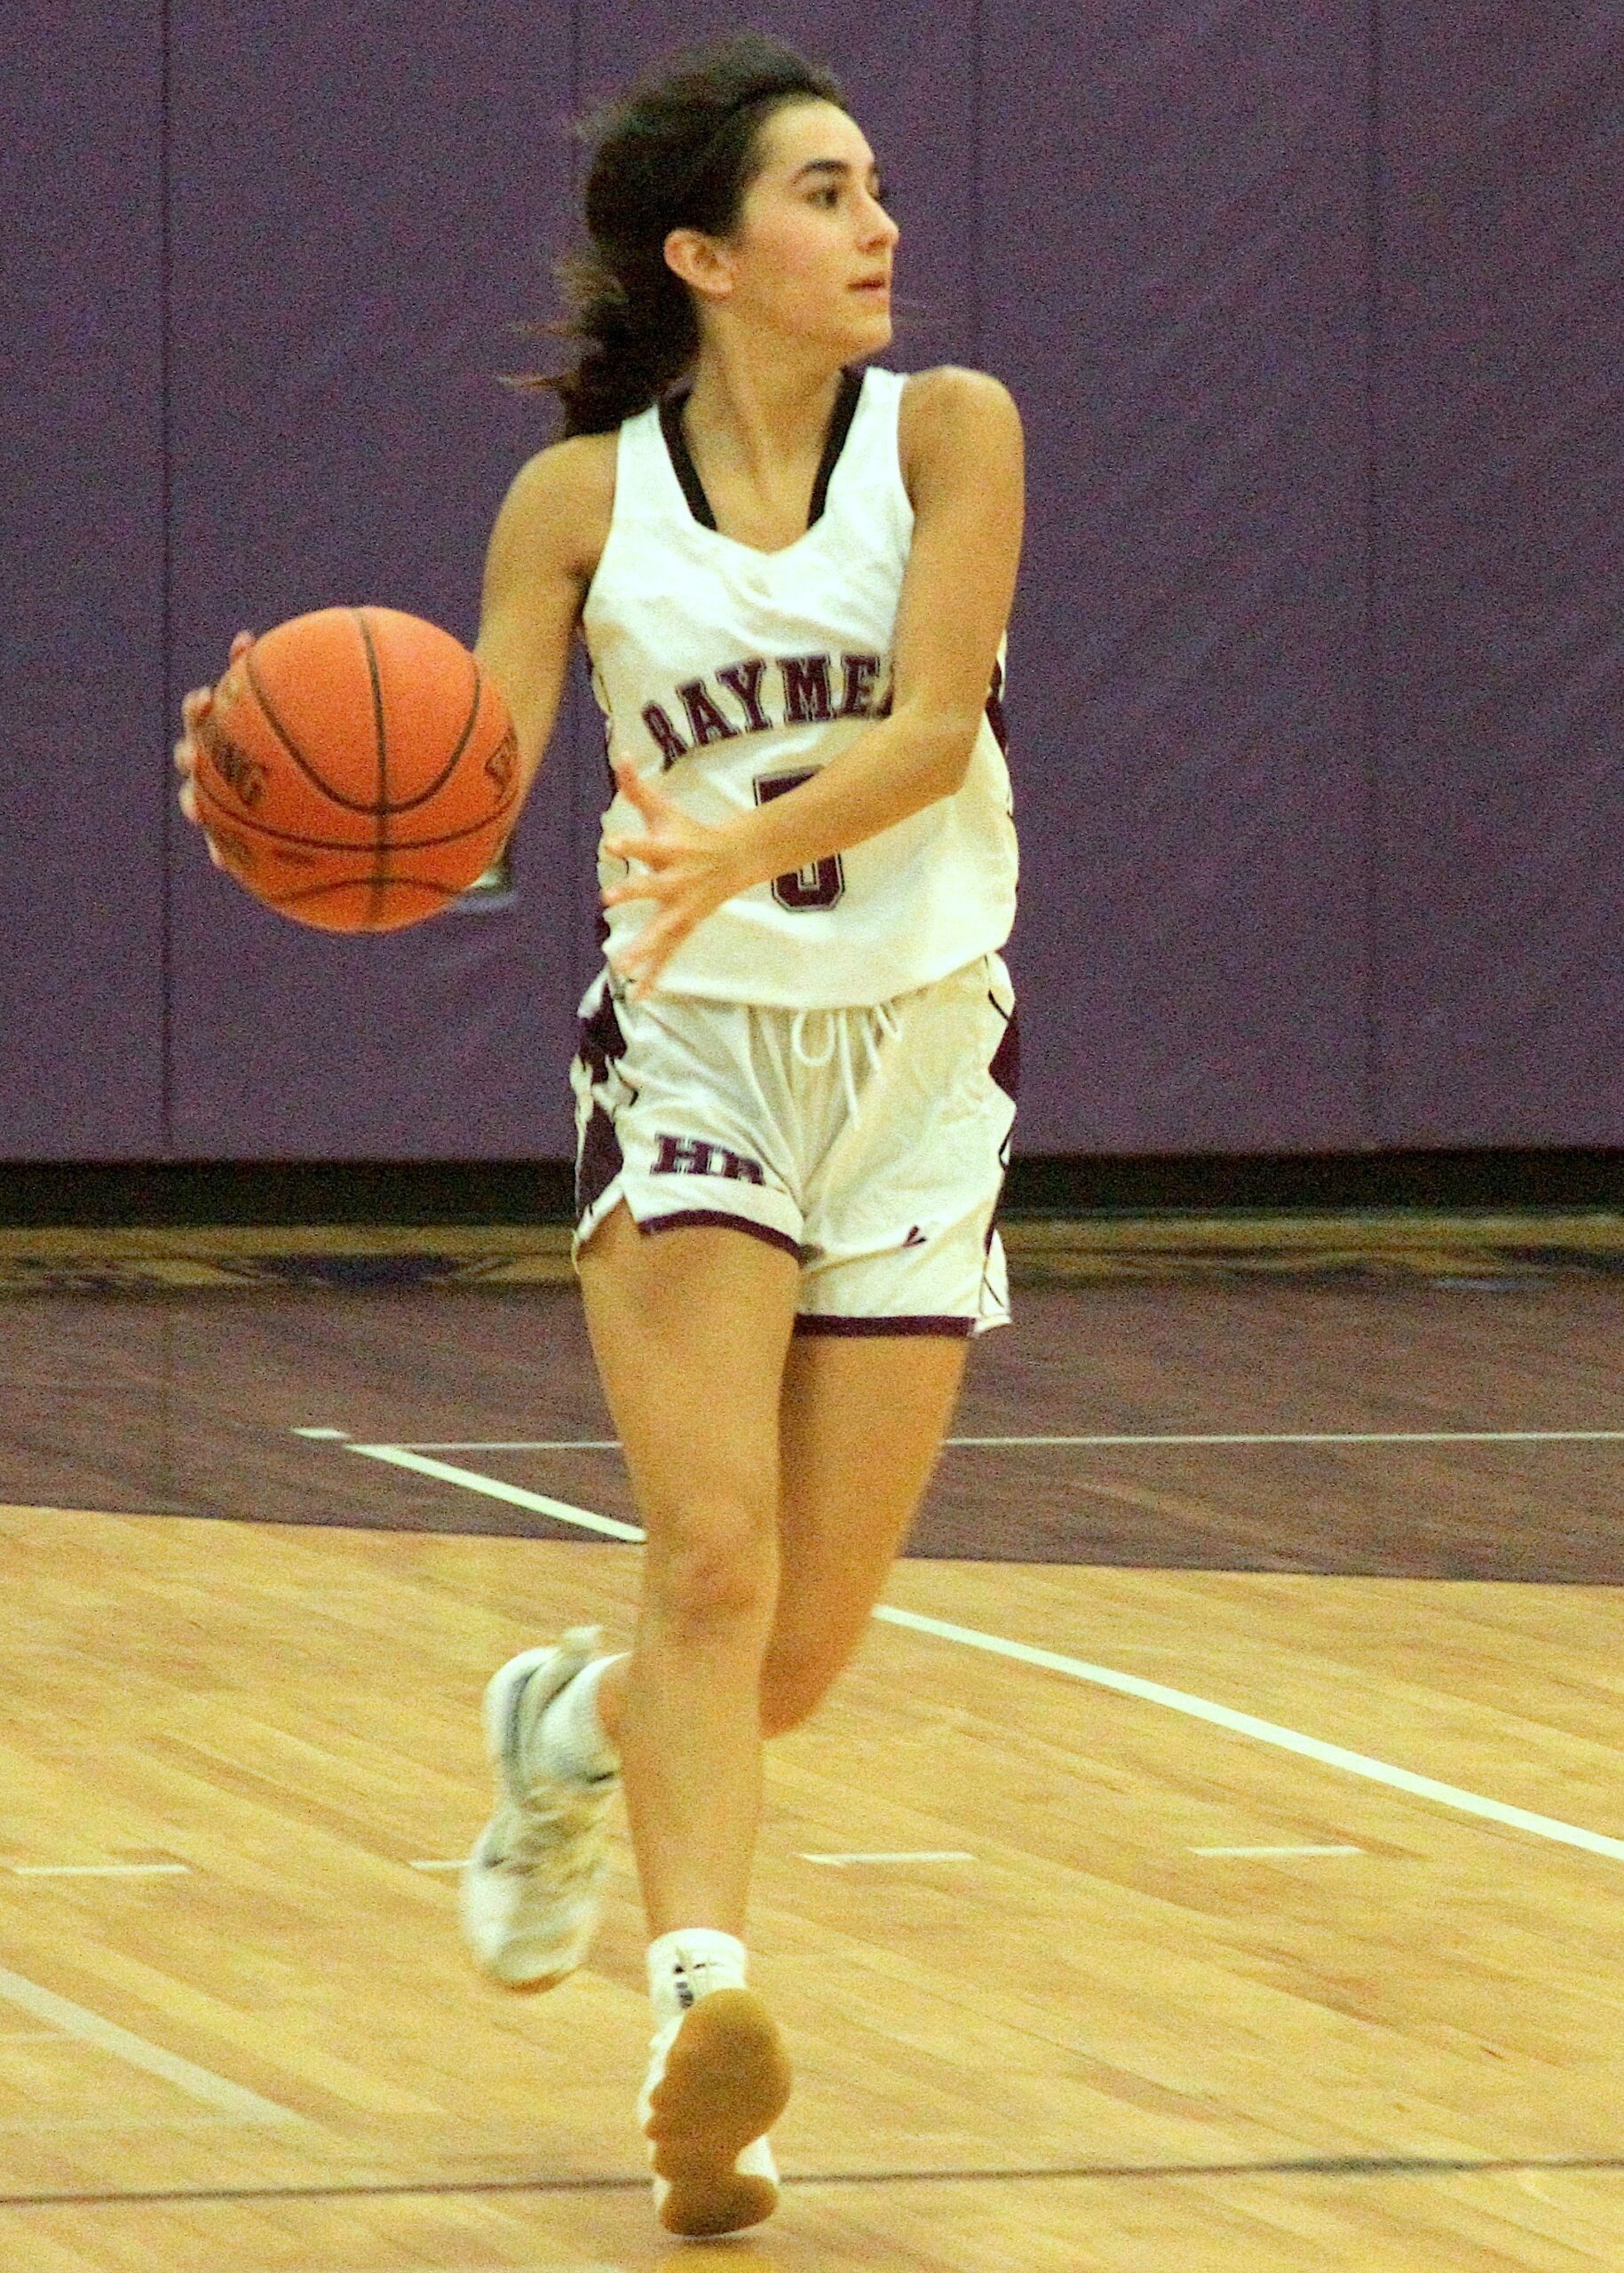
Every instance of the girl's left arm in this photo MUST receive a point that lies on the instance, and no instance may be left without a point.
(961, 441)
(961, 451)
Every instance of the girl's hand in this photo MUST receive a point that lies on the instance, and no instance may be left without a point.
(193, 709)
(688, 869)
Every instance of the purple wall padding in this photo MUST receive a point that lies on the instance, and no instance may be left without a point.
(1174, 281)
(362, 203)
(82, 798)
(1499, 656)
(1316, 686)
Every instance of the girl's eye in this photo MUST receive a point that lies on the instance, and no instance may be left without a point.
(829, 196)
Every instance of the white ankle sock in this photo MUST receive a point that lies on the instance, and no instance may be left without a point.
(687, 1965)
(571, 1735)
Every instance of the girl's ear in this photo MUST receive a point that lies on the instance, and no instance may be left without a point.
(703, 264)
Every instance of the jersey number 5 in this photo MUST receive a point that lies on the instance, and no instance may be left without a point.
(818, 886)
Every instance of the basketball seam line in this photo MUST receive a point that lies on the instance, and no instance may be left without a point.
(240, 819)
(380, 866)
(354, 804)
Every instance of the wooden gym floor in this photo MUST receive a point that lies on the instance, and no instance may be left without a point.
(1212, 1861)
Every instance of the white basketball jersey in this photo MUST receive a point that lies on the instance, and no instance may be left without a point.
(729, 674)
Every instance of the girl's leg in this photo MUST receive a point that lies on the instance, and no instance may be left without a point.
(776, 1481)
(861, 1424)
(862, 1421)
(691, 1330)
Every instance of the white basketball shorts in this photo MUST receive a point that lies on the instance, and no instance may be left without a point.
(870, 1143)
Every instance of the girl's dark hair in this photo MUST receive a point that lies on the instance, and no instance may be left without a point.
(679, 151)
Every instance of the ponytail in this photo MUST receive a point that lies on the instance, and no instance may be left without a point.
(679, 151)
(639, 334)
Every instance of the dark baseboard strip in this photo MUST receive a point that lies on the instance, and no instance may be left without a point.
(1519, 1180)
(173, 1193)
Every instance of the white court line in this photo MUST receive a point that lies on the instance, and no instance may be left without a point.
(98, 1870)
(932, 1855)
(36, 2126)
(1277, 1851)
(398, 1456)
(1385, 1437)
(1246, 1724)
(1149, 1693)
(73, 2020)
(924, 1855)
(507, 1443)
(1306, 1436)
(531, 2265)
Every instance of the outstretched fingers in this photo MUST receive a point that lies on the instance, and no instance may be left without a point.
(651, 802)
(660, 841)
(194, 707)
(688, 867)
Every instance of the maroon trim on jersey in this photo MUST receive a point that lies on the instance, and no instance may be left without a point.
(599, 1160)
(1005, 1064)
(811, 1322)
(992, 1221)
(840, 426)
(718, 1219)
(681, 460)
(834, 441)
(995, 709)
(598, 1039)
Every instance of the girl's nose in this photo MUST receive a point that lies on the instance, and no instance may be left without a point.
(879, 228)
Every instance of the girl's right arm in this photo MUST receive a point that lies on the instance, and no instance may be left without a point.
(542, 554)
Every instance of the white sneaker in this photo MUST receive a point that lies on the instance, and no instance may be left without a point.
(719, 2080)
(530, 1899)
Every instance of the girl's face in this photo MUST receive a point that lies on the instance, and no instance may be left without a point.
(811, 258)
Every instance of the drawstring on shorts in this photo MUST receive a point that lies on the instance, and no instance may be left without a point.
(875, 1022)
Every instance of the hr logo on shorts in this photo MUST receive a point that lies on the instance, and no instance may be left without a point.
(697, 1156)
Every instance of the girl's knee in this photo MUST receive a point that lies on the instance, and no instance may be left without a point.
(706, 1569)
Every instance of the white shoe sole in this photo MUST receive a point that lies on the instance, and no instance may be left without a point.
(725, 2082)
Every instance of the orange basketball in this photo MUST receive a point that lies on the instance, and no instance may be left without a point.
(356, 769)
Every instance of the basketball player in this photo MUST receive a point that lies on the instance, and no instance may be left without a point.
(792, 570)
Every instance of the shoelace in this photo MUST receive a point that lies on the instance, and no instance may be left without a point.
(529, 1836)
